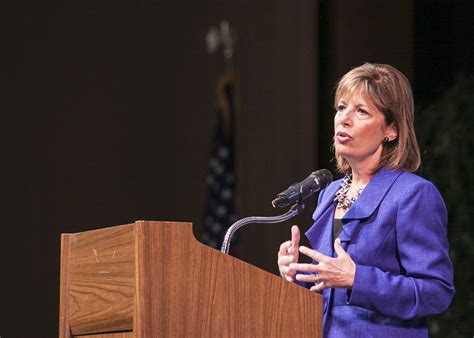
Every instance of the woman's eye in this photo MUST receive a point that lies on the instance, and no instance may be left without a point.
(340, 108)
(363, 112)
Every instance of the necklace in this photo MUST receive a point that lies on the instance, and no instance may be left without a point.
(344, 202)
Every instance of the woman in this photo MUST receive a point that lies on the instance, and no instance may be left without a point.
(380, 250)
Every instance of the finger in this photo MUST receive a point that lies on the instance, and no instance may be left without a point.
(318, 287)
(285, 270)
(304, 267)
(338, 248)
(295, 236)
(286, 260)
(305, 278)
(284, 248)
(317, 256)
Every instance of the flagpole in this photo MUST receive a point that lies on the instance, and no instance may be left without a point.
(220, 202)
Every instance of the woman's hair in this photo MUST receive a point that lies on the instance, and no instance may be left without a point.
(390, 91)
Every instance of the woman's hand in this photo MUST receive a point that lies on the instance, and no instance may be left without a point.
(288, 254)
(329, 272)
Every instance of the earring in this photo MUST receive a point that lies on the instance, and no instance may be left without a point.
(386, 140)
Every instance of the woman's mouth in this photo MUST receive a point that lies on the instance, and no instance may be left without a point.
(343, 137)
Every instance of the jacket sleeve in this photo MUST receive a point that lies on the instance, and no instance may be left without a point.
(425, 285)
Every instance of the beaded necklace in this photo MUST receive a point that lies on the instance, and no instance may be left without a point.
(343, 202)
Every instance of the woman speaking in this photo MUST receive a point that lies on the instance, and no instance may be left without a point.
(379, 238)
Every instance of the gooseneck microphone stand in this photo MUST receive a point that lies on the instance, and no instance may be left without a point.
(294, 210)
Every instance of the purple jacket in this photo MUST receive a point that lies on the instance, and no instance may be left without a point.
(396, 234)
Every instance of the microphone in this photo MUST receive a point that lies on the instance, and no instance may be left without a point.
(300, 191)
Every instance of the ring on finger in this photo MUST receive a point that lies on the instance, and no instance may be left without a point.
(316, 278)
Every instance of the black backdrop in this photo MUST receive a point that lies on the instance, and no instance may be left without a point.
(107, 118)
(107, 114)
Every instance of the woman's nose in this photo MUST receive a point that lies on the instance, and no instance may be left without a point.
(344, 117)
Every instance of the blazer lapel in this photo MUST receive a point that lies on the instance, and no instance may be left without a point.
(373, 194)
(328, 199)
(348, 230)
(320, 234)
(367, 202)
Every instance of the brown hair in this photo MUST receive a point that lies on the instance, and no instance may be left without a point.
(390, 91)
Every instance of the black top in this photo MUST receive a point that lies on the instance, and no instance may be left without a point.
(336, 228)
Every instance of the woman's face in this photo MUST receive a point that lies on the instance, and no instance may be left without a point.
(359, 130)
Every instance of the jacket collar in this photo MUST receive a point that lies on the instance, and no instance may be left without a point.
(327, 200)
(363, 208)
(373, 194)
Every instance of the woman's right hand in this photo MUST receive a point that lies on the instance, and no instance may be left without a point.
(288, 253)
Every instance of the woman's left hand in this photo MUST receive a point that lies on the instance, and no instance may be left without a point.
(330, 272)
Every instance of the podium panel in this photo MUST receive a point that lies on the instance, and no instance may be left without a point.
(154, 279)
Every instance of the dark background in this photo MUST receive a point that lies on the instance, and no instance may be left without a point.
(107, 115)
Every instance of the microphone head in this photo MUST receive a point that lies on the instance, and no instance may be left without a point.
(300, 191)
(280, 201)
(323, 177)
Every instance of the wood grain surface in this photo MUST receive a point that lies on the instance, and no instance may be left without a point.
(64, 328)
(187, 289)
(154, 279)
(102, 280)
(109, 335)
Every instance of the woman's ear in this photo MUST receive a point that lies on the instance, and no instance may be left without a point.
(391, 132)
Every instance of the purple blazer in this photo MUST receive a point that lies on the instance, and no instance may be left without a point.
(396, 234)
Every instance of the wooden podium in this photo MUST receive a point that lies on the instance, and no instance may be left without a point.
(154, 279)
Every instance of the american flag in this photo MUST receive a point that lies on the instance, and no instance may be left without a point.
(220, 210)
